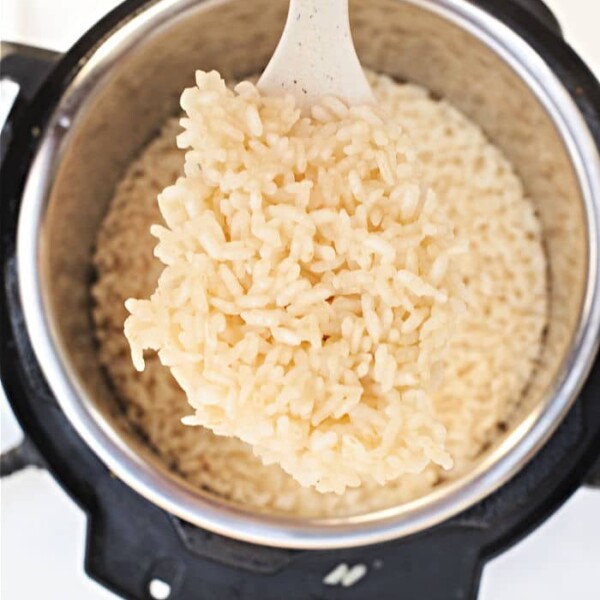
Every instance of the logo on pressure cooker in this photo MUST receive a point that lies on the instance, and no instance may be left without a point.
(345, 576)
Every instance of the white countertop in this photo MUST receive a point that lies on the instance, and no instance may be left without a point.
(43, 531)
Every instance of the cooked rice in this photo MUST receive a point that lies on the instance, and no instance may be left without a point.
(310, 285)
(492, 354)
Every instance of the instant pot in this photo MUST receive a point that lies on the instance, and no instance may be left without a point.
(76, 124)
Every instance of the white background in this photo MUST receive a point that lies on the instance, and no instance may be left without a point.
(42, 529)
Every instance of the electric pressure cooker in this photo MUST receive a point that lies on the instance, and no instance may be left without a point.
(78, 120)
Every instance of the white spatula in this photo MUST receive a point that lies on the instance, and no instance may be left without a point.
(315, 56)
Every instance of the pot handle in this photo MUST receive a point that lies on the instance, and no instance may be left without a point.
(23, 69)
(592, 479)
(542, 13)
(21, 456)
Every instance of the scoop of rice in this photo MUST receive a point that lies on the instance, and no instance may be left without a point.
(310, 285)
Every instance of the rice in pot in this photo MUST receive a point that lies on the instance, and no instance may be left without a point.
(493, 351)
(309, 288)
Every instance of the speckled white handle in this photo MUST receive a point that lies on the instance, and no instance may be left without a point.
(316, 56)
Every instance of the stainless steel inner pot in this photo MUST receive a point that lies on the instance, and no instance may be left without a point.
(131, 82)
